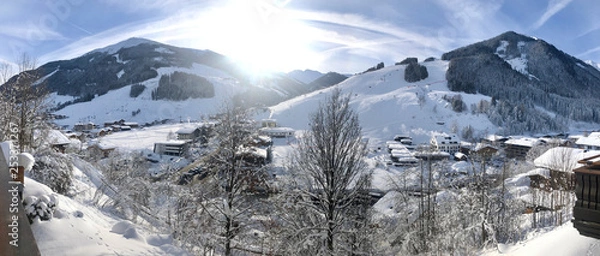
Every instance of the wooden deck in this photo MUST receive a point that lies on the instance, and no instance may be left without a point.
(586, 213)
(16, 238)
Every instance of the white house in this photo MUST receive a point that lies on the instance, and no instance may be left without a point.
(277, 132)
(445, 143)
(54, 138)
(188, 133)
(591, 142)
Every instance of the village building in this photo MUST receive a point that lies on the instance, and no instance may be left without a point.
(560, 162)
(188, 133)
(57, 140)
(254, 156)
(100, 132)
(518, 147)
(494, 140)
(100, 149)
(486, 151)
(586, 212)
(445, 143)
(72, 135)
(405, 140)
(84, 127)
(132, 125)
(268, 123)
(269, 127)
(553, 179)
(260, 141)
(590, 142)
(401, 156)
(391, 145)
(277, 132)
(114, 122)
(172, 148)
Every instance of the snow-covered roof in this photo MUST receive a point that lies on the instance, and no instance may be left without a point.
(539, 171)
(395, 145)
(494, 137)
(99, 130)
(172, 142)
(481, 146)
(186, 130)
(277, 129)
(56, 137)
(591, 140)
(460, 167)
(401, 153)
(563, 159)
(254, 151)
(522, 141)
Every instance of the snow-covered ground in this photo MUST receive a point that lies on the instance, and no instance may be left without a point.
(560, 241)
(80, 228)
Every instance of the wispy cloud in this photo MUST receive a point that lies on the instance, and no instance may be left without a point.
(471, 20)
(589, 52)
(30, 32)
(554, 6)
(330, 34)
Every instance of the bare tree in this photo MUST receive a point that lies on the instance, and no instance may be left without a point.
(230, 192)
(333, 179)
(23, 103)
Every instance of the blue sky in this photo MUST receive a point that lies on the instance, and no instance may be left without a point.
(345, 36)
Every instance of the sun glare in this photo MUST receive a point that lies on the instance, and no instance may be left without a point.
(260, 37)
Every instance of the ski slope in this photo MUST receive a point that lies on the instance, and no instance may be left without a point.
(388, 105)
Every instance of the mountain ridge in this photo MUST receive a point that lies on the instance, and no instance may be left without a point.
(526, 73)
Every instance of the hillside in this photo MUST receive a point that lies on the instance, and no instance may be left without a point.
(388, 105)
(117, 104)
(167, 72)
(523, 74)
(517, 84)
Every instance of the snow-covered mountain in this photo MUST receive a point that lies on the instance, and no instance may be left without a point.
(502, 85)
(593, 64)
(305, 76)
(526, 75)
(145, 62)
(514, 83)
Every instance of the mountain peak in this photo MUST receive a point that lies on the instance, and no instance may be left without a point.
(510, 40)
(305, 76)
(131, 42)
(513, 36)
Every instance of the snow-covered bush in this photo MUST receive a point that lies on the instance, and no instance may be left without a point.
(54, 170)
(40, 207)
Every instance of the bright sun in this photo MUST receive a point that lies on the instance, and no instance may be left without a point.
(260, 36)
